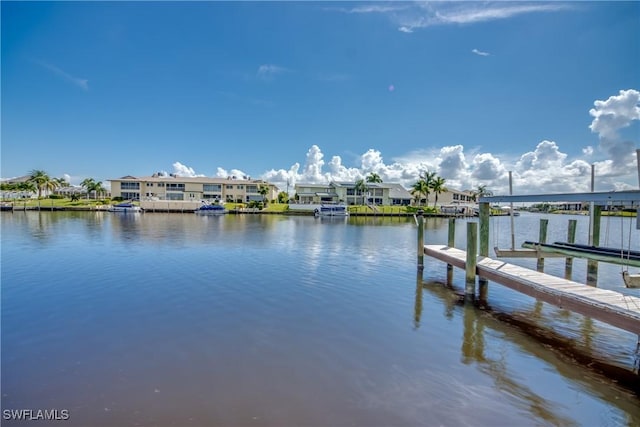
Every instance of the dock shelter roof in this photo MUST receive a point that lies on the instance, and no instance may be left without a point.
(599, 198)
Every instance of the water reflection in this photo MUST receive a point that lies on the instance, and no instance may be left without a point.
(291, 319)
(591, 370)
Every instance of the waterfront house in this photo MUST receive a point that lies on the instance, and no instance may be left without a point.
(346, 192)
(180, 188)
(381, 194)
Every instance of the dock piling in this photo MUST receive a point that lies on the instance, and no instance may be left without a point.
(594, 240)
(451, 241)
(483, 284)
(471, 261)
(571, 238)
(420, 240)
(542, 238)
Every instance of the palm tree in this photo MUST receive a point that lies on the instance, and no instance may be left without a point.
(437, 186)
(88, 184)
(60, 182)
(97, 188)
(361, 187)
(428, 178)
(481, 191)
(420, 188)
(25, 188)
(264, 190)
(41, 181)
(374, 178)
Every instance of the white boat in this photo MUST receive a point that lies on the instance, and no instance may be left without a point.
(331, 210)
(631, 280)
(125, 207)
(209, 209)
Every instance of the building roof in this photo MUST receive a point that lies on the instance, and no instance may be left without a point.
(17, 180)
(195, 179)
(397, 191)
(322, 186)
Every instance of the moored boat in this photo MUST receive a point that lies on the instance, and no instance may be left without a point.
(209, 209)
(126, 207)
(331, 210)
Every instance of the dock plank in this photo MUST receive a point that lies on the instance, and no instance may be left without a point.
(614, 308)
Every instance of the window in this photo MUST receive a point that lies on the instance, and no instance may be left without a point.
(228, 187)
(212, 188)
(175, 187)
(129, 195)
(175, 196)
(252, 188)
(129, 185)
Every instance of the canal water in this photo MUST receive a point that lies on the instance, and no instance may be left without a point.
(268, 320)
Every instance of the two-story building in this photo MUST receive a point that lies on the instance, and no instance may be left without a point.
(384, 194)
(180, 188)
(346, 192)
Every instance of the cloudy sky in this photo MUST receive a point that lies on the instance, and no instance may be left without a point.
(313, 92)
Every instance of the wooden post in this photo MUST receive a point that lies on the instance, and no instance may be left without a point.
(513, 236)
(451, 242)
(470, 264)
(592, 265)
(420, 240)
(542, 239)
(483, 284)
(571, 238)
(417, 307)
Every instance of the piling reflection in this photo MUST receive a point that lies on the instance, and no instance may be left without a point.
(574, 364)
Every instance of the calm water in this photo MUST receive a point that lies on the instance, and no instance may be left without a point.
(180, 320)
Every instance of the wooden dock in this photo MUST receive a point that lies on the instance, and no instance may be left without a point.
(614, 308)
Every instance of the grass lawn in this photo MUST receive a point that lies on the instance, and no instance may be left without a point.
(58, 203)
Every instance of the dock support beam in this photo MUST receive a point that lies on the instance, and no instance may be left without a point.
(471, 261)
(451, 242)
(483, 284)
(594, 237)
(571, 238)
(542, 238)
(420, 240)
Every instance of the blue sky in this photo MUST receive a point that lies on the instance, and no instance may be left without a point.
(312, 91)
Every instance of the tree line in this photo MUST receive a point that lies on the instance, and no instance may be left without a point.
(39, 181)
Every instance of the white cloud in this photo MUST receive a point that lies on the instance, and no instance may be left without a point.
(615, 113)
(268, 71)
(486, 167)
(480, 53)
(546, 155)
(545, 169)
(372, 8)
(470, 13)
(81, 83)
(233, 173)
(183, 170)
(425, 14)
(612, 115)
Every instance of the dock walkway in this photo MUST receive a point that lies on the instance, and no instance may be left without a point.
(614, 308)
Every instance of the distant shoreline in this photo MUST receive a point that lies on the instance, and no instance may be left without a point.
(249, 211)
